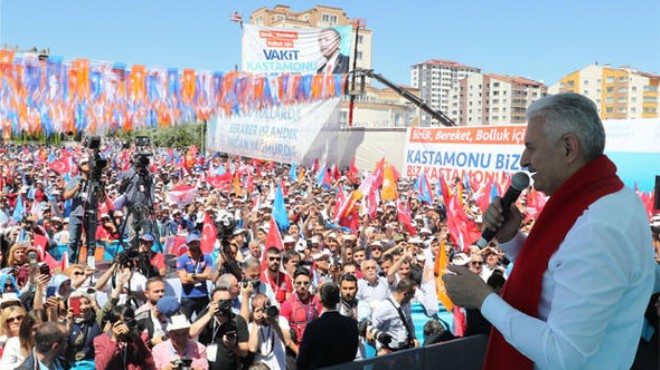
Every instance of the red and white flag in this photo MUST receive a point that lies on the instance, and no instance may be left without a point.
(182, 194)
(60, 166)
(209, 235)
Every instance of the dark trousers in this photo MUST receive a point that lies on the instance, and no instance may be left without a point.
(193, 305)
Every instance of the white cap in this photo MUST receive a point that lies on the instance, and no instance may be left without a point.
(323, 253)
(178, 322)
(460, 259)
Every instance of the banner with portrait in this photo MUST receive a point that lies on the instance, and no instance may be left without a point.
(300, 50)
(297, 133)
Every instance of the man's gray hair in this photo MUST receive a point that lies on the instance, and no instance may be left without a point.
(225, 281)
(251, 262)
(571, 113)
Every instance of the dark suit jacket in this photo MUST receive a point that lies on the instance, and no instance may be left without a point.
(329, 340)
(340, 67)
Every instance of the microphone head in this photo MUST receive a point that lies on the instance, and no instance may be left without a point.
(520, 181)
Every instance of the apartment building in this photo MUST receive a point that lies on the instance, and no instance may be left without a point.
(619, 92)
(492, 99)
(435, 80)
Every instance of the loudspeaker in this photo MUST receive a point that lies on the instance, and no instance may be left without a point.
(656, 202)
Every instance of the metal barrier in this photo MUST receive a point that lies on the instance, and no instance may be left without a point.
(464, 353)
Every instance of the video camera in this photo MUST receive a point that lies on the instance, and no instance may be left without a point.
(96, 163)
(225, 225)
(141, 158)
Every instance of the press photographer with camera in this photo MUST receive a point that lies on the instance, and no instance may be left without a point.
(180, 352)
(225, 333)
(392, 316)
(76, 191)
(251, 286)
(122, 347)
(136, 186)
(269, 334)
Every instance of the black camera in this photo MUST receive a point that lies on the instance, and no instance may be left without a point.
(255, 284)
(92, 142)
(141, 158)
(224, 308)
(182, 363)
(365, 326)
(272, 311)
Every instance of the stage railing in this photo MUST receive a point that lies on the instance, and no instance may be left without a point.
(464, 353)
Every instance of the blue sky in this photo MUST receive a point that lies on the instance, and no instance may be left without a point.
(542, 40)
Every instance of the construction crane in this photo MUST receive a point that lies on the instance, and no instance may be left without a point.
(363, 73)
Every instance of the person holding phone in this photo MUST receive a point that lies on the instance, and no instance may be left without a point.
(83, 328)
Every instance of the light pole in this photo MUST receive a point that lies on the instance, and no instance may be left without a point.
(357, 24)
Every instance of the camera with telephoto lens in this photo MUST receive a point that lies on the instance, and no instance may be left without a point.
(255, 283)
(365, 326)
(182, 363)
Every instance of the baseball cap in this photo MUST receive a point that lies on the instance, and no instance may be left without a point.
(168, 306)
(147, 237)
(192, 238)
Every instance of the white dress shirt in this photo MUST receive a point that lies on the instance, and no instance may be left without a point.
(594, 293)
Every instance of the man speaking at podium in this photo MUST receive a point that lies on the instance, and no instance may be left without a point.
(583, 277)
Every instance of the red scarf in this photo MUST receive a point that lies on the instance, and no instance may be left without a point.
(523, 288)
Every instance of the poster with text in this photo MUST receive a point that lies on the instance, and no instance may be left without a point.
(299, 50)
(297, 133)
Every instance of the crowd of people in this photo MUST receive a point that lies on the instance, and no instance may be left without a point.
(328, 294)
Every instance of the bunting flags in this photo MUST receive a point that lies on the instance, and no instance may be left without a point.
(93, 96)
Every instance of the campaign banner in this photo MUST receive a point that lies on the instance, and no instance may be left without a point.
(297, 133)
(486, 152)
(299, 51)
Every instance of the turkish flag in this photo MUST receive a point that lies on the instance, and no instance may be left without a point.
(60, 166)
(220, 180)
(273, 239)
(209, 235)
(41, 242)
(176, 244)
(404, 218)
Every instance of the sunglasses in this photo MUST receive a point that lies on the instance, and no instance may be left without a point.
(274, 258)
(78, 273)
(477, 263)
(11, 320)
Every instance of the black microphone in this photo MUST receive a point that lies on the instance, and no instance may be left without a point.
(519, 182)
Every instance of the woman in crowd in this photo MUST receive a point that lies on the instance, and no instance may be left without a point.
(83, 328)
(11, 318)
(19, 348)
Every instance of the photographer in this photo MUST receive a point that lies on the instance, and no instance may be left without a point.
(225, 333)
(252, 286)
(180, 351)
(151, 263)
(76, 192)
(122, 347)
(137, 188)
(393, 317)
(269, 334)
